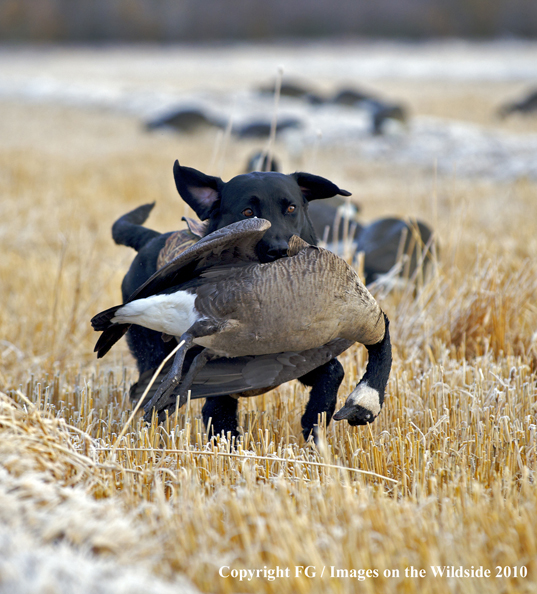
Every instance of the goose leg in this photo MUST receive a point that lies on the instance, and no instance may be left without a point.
(324, 381)
(172, 379)
(186, 384)
(200, 328)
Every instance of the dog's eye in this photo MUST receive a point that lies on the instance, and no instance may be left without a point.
(248, 212)
(291, 208)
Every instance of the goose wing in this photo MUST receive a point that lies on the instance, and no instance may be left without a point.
(234, 244)
(248, 376)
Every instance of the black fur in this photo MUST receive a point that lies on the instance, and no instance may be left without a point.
(128, 231)
(267, 195)
(324, 382)
(220, 415)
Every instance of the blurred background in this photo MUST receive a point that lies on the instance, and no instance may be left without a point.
(191, 20)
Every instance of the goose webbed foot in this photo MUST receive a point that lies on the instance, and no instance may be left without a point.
(171, 381)
(169, 393)
(180, 396)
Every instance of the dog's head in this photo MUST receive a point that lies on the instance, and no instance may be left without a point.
(281, 199)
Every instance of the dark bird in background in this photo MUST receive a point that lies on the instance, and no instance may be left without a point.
(194, 120)
(186, 121)
(259, 161)
(382, 113)
(350, 97)
(190, 120)
(293, 89)
(525, 105)
(261, 128)
(384, 241)
(379, 110)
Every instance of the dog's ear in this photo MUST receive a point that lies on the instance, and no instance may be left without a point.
(201, 192)
(314, 187)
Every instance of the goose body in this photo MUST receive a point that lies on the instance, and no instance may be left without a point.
(259, 308)
(219, 296)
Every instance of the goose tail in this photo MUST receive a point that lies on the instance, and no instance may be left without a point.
(111, 332)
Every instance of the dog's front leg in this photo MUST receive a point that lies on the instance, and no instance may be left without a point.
(220, 415)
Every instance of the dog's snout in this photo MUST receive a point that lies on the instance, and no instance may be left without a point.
(270, 251)
(277, 252)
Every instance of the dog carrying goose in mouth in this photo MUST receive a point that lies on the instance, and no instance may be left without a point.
(218, 295)
(282, 199)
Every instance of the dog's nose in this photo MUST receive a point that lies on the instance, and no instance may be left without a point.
(276, 253)
(273, 252)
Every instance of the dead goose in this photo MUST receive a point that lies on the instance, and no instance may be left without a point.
(218, 295)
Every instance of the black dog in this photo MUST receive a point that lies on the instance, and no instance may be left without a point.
(281, 199)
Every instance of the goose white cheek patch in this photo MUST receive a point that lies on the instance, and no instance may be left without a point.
(366, 397)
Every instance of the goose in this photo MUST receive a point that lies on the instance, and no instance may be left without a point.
(293, 89)
(379, 110)
(259, 161)
(217, 295)
(385, 240)
(261, 128)
(350, 97)
(186, 120)
(525, 105)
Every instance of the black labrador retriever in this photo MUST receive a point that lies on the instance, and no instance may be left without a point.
(281, 199)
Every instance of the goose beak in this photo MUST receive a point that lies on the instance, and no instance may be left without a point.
(362, 406)
(355, 415)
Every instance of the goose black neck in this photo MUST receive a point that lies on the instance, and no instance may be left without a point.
(379, 363)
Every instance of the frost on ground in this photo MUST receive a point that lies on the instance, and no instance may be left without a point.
(453, 147)
(59, 539)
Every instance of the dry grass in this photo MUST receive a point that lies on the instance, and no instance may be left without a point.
(457, 436)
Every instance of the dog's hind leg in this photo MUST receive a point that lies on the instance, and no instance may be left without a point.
(324, 381)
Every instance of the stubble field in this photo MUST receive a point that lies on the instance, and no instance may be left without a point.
(453, 453)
